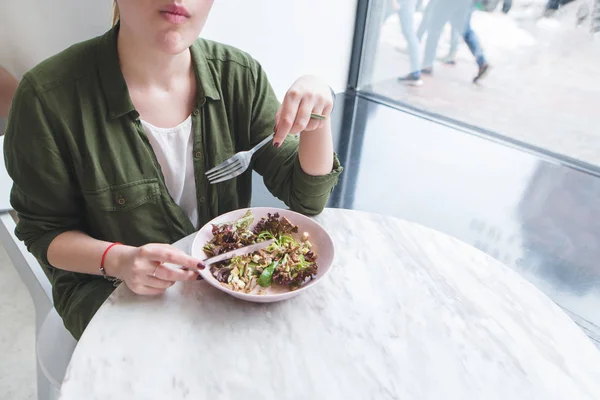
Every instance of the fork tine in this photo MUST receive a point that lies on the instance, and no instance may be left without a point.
(219, 176)
(229, 176)
(224, 171)
(233, 164)
(225, 163)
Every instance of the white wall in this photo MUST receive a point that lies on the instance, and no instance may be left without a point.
(33, 30)
(289, 38)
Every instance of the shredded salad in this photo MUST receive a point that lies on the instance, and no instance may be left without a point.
(288, 261)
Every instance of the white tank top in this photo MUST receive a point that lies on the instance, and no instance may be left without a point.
(174, 151)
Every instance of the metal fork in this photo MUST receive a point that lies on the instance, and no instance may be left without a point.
(236, 164)
(239, 162)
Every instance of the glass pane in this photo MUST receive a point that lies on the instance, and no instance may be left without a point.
(527, 70)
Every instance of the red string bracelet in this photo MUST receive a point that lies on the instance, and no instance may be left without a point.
(102, 270)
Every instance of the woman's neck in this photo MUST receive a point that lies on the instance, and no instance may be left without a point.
(144, 66)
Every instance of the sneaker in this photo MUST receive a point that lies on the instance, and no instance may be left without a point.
(427, 71)
(411, 79)
(449, 60)
(483, 71)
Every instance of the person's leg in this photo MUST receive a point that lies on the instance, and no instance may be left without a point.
(454, 38)
(424, 21)
(506, 6)
(433, 38)
(552, 4)
(407, 13)
(440, 14)
(472, 41)
(462, 17)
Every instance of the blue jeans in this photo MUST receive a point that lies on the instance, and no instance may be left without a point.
(407, 17)
(471, 40)
(555, 4)
(439, 13)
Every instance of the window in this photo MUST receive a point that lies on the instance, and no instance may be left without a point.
(526, 71)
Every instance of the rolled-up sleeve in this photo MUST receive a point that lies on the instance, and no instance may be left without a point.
(280, 168)
(44, 193)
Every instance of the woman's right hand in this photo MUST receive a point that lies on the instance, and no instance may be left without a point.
(142, 269)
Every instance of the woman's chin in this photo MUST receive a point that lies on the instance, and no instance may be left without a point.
(173, 42)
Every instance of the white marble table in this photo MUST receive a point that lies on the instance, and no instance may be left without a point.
(406, 313)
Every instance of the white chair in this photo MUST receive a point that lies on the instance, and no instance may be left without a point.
(54, 344)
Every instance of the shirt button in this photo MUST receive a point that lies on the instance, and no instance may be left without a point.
(121, 201)
(196, 111)
(202, 199)
(198, 154)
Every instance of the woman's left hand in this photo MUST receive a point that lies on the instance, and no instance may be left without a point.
(308, 95)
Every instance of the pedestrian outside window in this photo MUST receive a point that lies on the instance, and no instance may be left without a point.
(526, 71)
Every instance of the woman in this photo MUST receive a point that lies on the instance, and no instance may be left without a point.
(109, 142)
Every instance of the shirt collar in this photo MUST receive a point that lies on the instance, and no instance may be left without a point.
(115, 89)
(207, 82)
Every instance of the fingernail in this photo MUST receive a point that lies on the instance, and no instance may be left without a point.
(276, 144)
(199, 277)
(201, 266)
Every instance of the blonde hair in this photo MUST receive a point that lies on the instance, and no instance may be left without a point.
(116, 15)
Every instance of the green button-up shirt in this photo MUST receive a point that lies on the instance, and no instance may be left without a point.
(80, 159)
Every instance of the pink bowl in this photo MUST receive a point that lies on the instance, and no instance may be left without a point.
(320, 239)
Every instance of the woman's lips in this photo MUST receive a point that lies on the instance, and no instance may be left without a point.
(174, 18)
(175, 14)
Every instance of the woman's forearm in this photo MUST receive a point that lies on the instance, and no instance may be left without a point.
(77, 252)
(141, 268)
(316, 151)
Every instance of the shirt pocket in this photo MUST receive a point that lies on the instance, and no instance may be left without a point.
(130, 213)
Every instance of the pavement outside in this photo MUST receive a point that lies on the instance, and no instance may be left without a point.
(543, 88)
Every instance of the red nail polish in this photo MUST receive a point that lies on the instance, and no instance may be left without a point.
(201, 266)
(276, 144)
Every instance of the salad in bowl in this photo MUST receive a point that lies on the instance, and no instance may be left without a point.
(299, 254)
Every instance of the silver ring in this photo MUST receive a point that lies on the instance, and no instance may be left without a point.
(155, 269)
